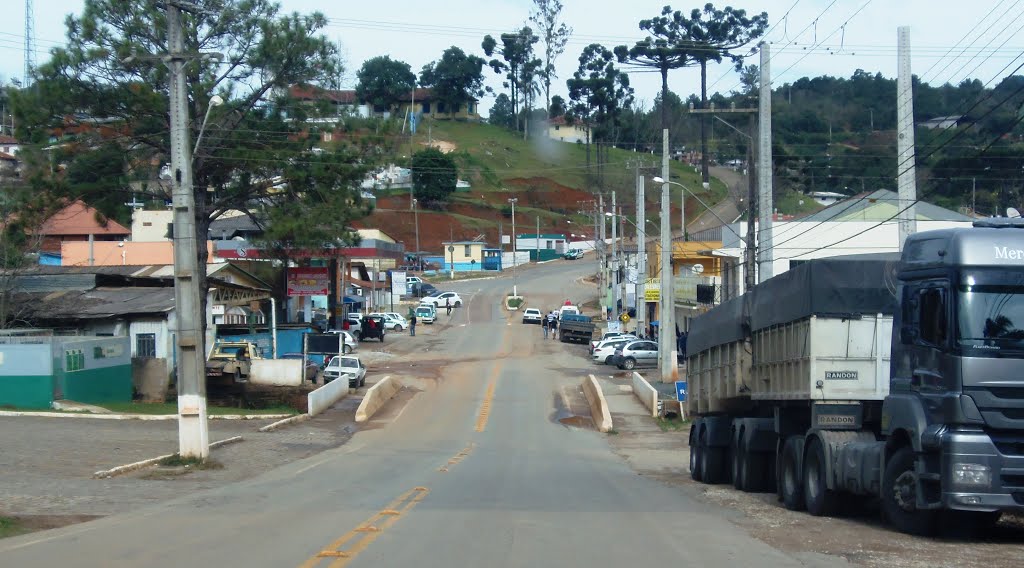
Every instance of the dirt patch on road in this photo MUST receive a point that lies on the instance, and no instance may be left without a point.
(859, 535)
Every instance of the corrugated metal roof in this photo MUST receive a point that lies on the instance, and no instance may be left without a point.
(99, 303)
(880, 205)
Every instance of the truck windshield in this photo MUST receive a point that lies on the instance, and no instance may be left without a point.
(991, 317)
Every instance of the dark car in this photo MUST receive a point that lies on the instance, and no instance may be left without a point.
(372, 328)
(310, 368)
(424, 289)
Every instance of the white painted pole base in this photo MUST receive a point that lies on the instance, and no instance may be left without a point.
(193, 432)
(515, 291)
(671, 373)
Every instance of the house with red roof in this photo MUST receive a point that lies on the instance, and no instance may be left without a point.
(76, 222)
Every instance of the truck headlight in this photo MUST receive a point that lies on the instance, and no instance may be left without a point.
(972, 475)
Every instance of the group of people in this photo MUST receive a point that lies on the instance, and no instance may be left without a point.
(550, 323)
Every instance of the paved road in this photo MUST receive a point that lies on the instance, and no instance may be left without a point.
(475, 471)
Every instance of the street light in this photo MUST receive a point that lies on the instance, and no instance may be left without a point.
(699, 200)
(513, 201)
(215, 101)
(416, 216)
(641, 272)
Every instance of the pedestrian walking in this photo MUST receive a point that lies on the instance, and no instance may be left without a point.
(412, 326)
(448, 305)
(544, 326)
(554, 328)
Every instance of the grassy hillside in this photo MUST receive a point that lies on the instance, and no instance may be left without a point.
(548, 178)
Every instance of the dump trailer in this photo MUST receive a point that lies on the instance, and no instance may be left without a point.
(575, 327)
(892, 376)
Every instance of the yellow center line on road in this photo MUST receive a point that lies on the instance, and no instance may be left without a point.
(485, 406)
(457, 458)
(367, 531)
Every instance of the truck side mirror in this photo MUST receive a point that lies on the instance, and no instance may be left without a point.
(908, 335)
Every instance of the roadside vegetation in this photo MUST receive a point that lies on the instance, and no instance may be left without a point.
(157, 408)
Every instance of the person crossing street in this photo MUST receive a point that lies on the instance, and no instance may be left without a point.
(554, 327)
(544, 326)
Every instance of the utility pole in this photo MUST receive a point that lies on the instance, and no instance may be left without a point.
(751, 243)
(623, 265)
(193, 434)
(666, 322)
(641, 256)
(416, 217)
(906, 173)
(537, 245)
(765, 205)
(614, 281)
(604, 255)
(974, 189)
(515, 261)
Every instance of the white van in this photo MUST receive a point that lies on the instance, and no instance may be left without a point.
(426, 313)
(568, 310)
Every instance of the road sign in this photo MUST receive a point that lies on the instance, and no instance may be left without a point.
(624, 318)
(681, 391)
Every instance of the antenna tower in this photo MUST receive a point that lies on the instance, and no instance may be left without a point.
(30, 42)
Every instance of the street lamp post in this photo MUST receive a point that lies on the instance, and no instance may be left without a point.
(515, 291)
(416, 217)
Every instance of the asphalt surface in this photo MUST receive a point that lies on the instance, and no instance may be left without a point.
(476, 471)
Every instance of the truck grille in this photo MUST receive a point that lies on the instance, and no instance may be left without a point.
(1001, 407)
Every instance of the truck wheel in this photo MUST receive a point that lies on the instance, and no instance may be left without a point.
(821, 501)
(789, 477)
(712, 463)
(695, 461)
(629, 364)
(737, 463)
(899, 495)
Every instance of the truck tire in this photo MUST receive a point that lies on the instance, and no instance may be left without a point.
(789, 477)
(899, 495)
(712, 465)
(695, 461)
(821, 501)
(737, 462)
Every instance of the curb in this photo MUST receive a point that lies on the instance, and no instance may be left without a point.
(14, 413)
(285, 422)
(127, 468)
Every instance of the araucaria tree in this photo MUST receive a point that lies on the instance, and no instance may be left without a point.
(599, 92)
(554, 34)
(256, 154)
(517, 63)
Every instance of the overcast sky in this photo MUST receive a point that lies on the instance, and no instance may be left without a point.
(817, 37)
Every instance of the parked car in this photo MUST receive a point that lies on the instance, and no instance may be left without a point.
(232, 359)
(440, 300)
(355, 322)
(532, 315)
(350, 342)
(348, 367)
(426, 313)
(609, 335)
(573, 254)
(605, 351)
(373, 328)
(423, 289)
(392, 321)
(310, 369)
(640, 353)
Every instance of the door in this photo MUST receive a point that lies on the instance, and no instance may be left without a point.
(647, 354)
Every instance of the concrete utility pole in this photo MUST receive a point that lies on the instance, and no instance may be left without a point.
(193, 435)
(604, 255)
(515, 261)
(765, 203)
(906, 177)
(624, 265)
(614, 281)
(666, 323)
(416, 219)
(641, 255)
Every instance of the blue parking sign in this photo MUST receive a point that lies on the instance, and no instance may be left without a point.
(681, 391)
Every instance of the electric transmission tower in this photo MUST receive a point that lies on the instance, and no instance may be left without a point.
(30, 43)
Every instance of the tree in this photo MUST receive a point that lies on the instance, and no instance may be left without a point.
(557, 107)
(501, 113)
(434, 175)
(257, 151)
(516, 57)
(664, 49)
(711, 35)
(599, 93)
(555, 35)
(383, 82)
(456, 78)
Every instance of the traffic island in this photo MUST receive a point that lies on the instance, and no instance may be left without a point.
(513, 303)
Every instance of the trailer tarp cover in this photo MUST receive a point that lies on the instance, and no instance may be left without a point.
(835, 287)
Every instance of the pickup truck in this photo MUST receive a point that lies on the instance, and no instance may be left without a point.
(232, 359)
(575, 327)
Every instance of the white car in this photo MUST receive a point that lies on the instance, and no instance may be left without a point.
(346, 367)
(532, 315)
(440, 300)
(611, 335)
(350, 343)
(392, 321)
(602, 354)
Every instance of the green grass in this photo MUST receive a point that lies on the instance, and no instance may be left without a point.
(514, 301)
(674, 424)
(172, 408)
(10, 527)
(790, 203)
(197, 463)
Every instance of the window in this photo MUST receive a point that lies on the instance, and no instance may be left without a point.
(426, 108)
(147, 223)
(469, 108)
(145, 345)
(467, 251)
(549, 245)
(440, 108)
(557, 127)
(932, 315)
(458, 107)
(327, 136)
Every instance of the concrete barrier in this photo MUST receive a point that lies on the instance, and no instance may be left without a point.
(376, 396)
(647, 394)
(276, 372)
(598, 405)
(322, 398)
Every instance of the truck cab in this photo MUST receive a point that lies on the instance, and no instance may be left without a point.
(232, 359)
(957, 369)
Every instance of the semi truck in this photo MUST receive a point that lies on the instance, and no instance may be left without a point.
(898, 377)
